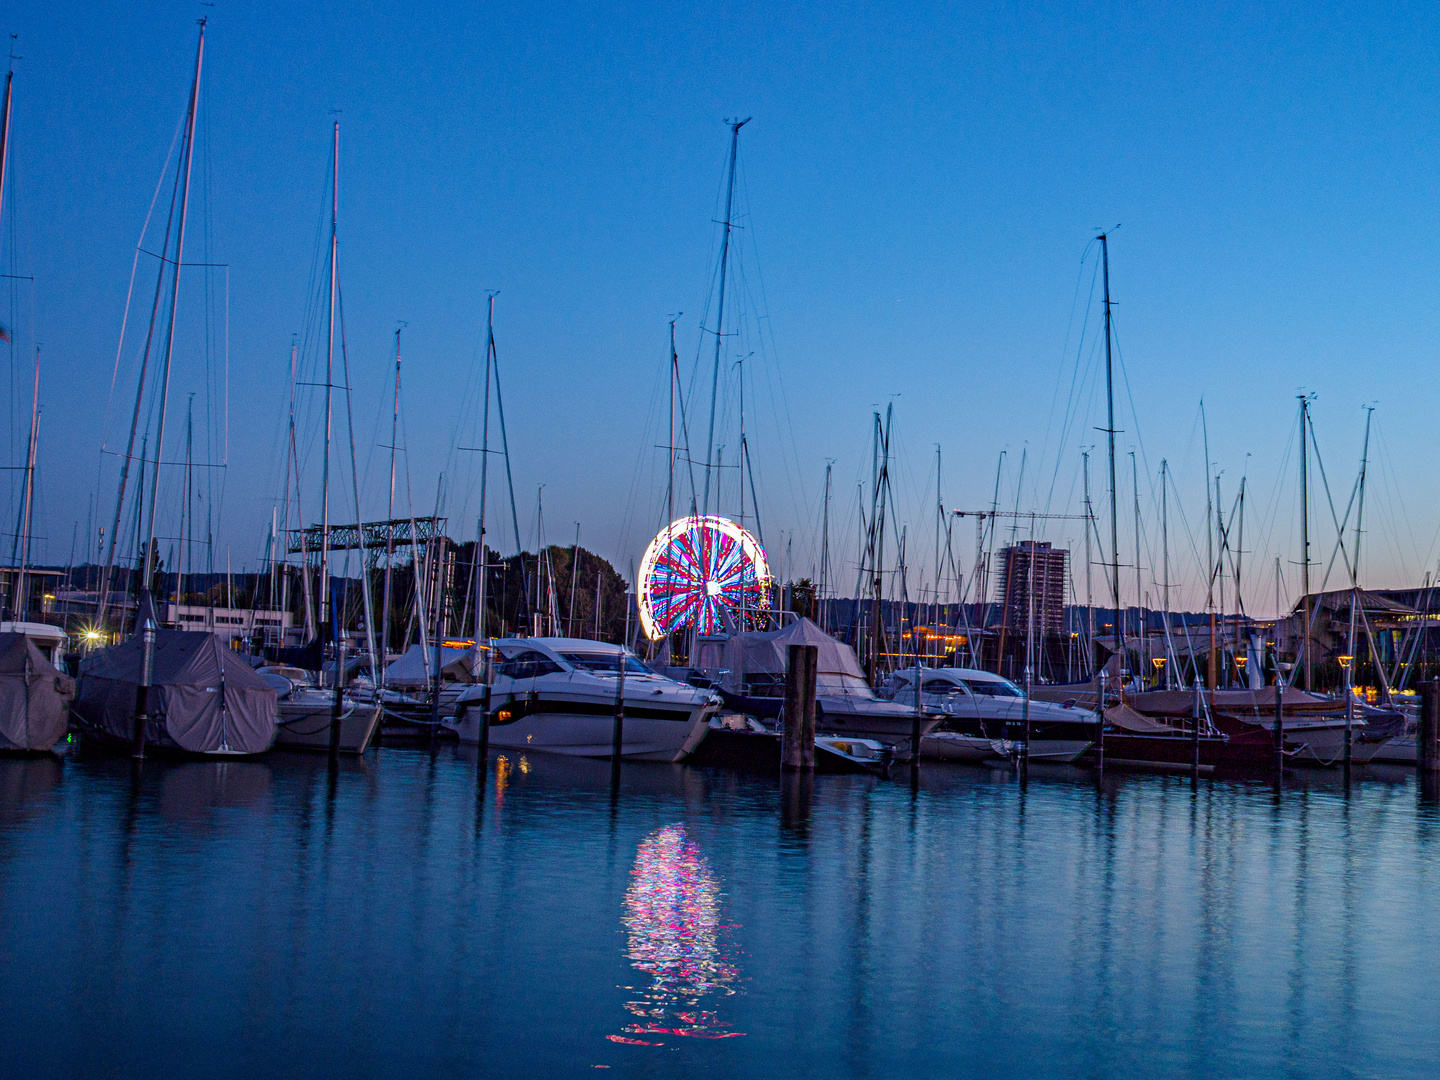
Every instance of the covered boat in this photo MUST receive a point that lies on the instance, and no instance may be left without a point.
(204, 698)
(35, 696)
(754, 684)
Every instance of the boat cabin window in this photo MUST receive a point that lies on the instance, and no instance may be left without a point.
(528, 664)
(941, 686)
(993, 688)
(605, 662)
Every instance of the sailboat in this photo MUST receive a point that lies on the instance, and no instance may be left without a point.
(308, 713)
(192, 694)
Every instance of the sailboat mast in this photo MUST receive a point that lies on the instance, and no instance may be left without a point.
(21, 584)
(482, 570)
(5, 132)
(324, 573)
(390, 516)
(1142, 630)
(735, 126)
(1089, 591)
(674, 380)
(149, 563)
(1209, 550)
(1110, 436)
(185, 508)
(1165, 558)
(824, 553)
(1305, 534)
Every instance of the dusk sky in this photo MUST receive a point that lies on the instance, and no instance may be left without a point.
(919, 189)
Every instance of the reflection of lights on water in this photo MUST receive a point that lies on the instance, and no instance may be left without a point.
(502, 778)
(524, 765)
(672, 915)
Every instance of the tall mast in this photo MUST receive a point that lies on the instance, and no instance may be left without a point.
(1209, 549)
(1359, 515)
(939, 524)
(22, 597)
(390, 516)
(1110, 436)
(1165, 557)
(482, 570)
(5, 128)
(149, 563)
(185, 508)
(735, 126)
(1305, 534)
(1143, 630)
(574, 582)
(329, 375)
(824, 552)
(1089, 592)
(674, 381)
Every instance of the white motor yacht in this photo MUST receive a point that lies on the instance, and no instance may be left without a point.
(982, 709)
(558, 695)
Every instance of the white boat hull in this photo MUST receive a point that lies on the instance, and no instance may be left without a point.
(308, 728)
(1324, 744)
(590, 733)
(1060, 751)
(952, 746)
(1397, 751)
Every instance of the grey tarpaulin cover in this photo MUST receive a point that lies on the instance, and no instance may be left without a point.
(768, 653)
(34, 696)
(416, 666)
(203, 697)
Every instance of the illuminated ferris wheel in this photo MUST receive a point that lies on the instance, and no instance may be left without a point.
(702, 572)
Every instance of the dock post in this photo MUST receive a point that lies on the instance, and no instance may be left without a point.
(915, 720)
(1279, 715)
(1198, 708)
(807, 708)
(1427, 735)
(617, 733)
(488, 674)
(142, 692)
(797, 741)
(338, 705)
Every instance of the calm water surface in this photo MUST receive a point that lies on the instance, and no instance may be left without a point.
(399, 918)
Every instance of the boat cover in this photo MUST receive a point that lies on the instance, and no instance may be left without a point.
(768, 653)
(1124, 718)
(1182, 702)
(35, 696)
(203, 697)
(413, 668)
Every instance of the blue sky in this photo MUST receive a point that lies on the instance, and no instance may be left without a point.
(919, 189)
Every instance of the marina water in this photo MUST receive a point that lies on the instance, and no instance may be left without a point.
(400, 917)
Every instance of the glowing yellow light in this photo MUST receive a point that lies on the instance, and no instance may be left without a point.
(1345, 661)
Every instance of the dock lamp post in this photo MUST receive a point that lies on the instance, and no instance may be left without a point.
(142, 692)
(1159, 664)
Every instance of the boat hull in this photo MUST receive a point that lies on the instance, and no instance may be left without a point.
(1397, 751)
(308, 728)
(1059, 751)
(953, 746)
(580, 728)
(896, 728)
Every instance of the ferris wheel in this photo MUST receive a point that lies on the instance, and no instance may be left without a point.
(700, 572)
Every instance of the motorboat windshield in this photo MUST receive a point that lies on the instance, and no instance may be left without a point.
(994, 688)
(605, 663)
